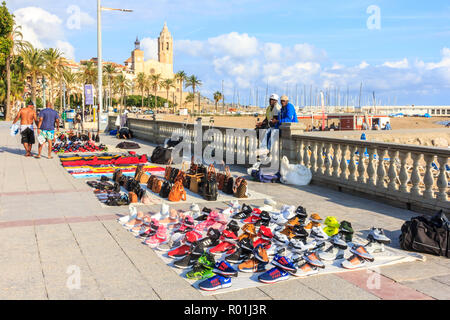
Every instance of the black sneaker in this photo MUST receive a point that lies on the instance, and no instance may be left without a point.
(246, 244)
(211, 239)
(191, 259)
(300, 232)
(239, 256)
(244, 213)
(205, 215)
(233, 226)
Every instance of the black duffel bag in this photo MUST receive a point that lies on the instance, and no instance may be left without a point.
(161, 155)
(427, 235)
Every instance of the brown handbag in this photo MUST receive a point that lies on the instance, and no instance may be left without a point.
(157, 185)
(150, 182)
(177, 193)
(144, 178)
(133, 197)
(240, 188)
(195, 180)
(139, 172)
(222, 178)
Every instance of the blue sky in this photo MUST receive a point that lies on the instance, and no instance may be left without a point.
(249, 43)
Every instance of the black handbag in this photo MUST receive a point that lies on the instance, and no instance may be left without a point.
(173, 174)
(228, 186)
(209, 186)
(165, 190)
(427, 235)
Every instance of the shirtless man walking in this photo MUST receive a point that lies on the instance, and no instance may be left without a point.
(27, 117)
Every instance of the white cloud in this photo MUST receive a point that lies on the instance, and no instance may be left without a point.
(363, 65)
(234, 44)
(150, 48)
(44, 29)
(66, 48)
(402, 64)
(191, 47)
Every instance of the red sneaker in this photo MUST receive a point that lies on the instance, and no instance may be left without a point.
(265, 233)
(229, 236)
(180, 251)
(266, 243)
(222, 248)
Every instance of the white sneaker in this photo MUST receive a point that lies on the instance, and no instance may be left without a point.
(131, 216)
(298, 246)
(280, 239)
(163, 214)
(270, 202)
(318, 234)
(331, 254)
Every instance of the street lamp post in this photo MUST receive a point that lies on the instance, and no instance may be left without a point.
(99, 58)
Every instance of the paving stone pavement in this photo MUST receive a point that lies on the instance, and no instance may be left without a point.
(54, 232)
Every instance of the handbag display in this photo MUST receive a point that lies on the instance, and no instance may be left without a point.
(139, 172)
(194, 182)
(117, 175)
(157, 185)
(177, 193)
(173, 175)
(222, 177)
(165, 190)
(209, 188)
(229, 185)
(150, 182)
(133, 197)
(240, 188)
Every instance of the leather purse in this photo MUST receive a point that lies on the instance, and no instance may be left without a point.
(240, 188)
(139, 172)
(194, 183)
(177, 193)
(150, 182)
(133, 197)
(117, 175)
(228, 185)
(222, 177)
(209, 188)
(157, 185)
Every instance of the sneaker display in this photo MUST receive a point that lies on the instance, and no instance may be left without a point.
(354, 262)
(274, 250)
(300, 232)
(265, 233)
(223, 268)
(238, 256)
(247, 244)
(158, 238)
(280, 239)
(377, 235)
(284, 263)
(207, 260)
(252, 266)
(300, 245)
(189, 260)
(221, 248)
(305, 269)
(315, 218)
(180, 251)
(233, 226)
(267, 244)
(229, 236)
(211, 239)
(273, 275)
(199, 272)
(249, 229)
(254, 217)
(260, 254)
(215, 283)
(318, 234)
(265, 218)
(346, 230)
(244, 213)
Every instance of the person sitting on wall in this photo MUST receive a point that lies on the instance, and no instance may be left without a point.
(287, 114)
(272, 113)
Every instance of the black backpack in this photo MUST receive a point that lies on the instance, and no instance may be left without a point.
(165, 190)
(161, 155)
(427, 235)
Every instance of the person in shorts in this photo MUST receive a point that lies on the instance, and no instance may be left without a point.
(46, 128)
(27, 117)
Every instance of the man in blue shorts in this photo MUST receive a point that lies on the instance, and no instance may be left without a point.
(46, 128)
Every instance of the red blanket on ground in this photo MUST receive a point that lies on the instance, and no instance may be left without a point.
(127, 160)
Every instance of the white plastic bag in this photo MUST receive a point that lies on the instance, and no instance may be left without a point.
(14, 130)
(118, 121)
(294, 174)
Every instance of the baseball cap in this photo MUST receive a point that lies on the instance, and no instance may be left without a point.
(274, 97)
(284, 98)
(30, 104)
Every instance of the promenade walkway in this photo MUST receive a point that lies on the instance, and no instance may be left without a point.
(51, 225)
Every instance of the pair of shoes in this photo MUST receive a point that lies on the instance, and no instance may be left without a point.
(158, 238)
(359, 258)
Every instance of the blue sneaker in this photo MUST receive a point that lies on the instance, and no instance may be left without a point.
(215, 283)
(284, 263)
(273, 275)
(225, 269)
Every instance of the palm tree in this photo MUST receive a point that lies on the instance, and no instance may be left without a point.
(168, 84)
(72, 81)
(180, 77)
(141, 81)
(155, 80)
(110, 71)
(217, 98)
(53, 66)
(194, 83)
(123, 85)
(17, 46)
(34, 64)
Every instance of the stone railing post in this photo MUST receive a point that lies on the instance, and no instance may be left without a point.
(361, 165)
(344, 165)
(288, 145)
(442, 182)
(403, 172)
(352, 166)
(428, 178)
(371, 168)
(335, 163)
(381, 171)
(392, 173)
(415, 174)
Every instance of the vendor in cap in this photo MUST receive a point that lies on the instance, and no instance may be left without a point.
(287, 113)
(272, 113)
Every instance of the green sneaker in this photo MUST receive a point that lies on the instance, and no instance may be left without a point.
(346, 230)
(207, 260)
(199, 272)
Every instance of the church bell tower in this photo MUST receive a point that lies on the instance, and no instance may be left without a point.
(165, 46)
